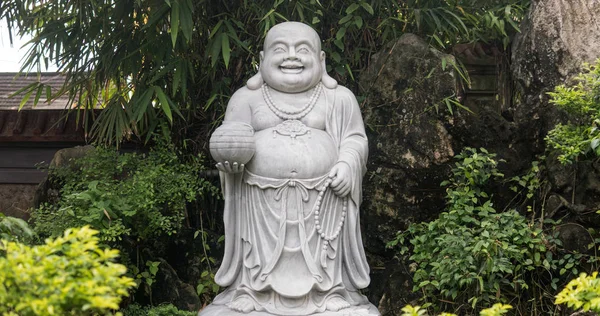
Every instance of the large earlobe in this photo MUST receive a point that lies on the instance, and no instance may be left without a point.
(327, 81)
(256, 81)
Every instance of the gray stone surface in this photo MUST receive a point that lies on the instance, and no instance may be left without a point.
(292, 152)
(364, 310)
(17, 199)
(556, 38)
(410, 146)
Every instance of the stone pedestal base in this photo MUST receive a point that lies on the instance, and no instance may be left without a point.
(361, 310)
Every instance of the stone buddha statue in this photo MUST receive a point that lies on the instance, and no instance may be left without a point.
(293, 244)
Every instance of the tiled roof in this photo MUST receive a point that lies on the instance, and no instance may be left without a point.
(40, 126)
(11, 82)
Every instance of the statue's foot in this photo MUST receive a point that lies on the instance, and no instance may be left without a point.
(336, 303)
(242, 304)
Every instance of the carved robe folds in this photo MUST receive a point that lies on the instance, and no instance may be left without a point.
(274, 255)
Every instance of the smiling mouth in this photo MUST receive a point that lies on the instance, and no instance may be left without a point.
(291, 69)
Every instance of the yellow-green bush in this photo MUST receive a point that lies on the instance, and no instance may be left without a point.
(497, 310)
(582, 293)
(69, 275)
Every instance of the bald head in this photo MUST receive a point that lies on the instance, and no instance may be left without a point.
(292, 30)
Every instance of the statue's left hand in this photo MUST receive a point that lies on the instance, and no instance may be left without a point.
(342, 179)
(227, 167)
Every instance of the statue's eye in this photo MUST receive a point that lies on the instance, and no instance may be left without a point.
(303, 50)
(279, 49)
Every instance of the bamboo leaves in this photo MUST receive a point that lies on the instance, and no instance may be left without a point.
(185, 57)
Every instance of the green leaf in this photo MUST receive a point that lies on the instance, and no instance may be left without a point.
(217, 44)
(25, 99)
(174, 22)
(358, 21)
(340, 33)
(345, 19)
(351, 8)
(186, 21)
(367, 8)
(164, 103)
(225, 49)
(38, 94)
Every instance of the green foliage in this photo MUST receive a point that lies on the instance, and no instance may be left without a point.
(68, 275)
(582, 100)
(582, 293)
(530, 182)
(137, 196)
(472, 254)
(162, 310)
(207, 288)
(178, 61)
(135, 200)
(497, 309)
(146, 277)
(449, 23)
(410, 310)
(15, 229)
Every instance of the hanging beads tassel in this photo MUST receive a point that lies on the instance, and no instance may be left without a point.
(318, 217)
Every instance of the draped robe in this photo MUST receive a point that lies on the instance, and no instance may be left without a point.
(274, 255)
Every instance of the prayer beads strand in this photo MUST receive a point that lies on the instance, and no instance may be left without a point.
(328, 239)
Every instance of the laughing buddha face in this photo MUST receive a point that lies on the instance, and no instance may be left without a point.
(292, 58)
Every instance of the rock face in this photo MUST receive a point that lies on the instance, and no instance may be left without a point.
(409, 145)
(406, 135)
(557, 37)
(170, 289)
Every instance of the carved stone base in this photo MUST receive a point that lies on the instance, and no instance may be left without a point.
(221, 310)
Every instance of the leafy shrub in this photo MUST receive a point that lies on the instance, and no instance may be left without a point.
(138, 196)
(582, 293)
(581, 100)
(69, 275)
(472, 253)
(14, 229)
(497, 309)
(135, 200)
(162, 310)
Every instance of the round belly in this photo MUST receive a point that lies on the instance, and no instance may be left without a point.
(306, 156)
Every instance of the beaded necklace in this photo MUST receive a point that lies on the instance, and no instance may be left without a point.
(287, 114)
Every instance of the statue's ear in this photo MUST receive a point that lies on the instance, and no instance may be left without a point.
(327, 81)
(256, 81)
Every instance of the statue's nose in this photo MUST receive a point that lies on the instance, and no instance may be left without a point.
(292, 53)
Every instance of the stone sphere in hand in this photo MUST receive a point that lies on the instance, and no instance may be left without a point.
(233, 142)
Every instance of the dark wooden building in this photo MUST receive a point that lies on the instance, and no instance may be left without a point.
(30, 137)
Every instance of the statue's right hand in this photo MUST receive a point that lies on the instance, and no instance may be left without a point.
(227, 167)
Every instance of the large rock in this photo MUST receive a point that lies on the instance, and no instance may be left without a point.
(409, 149)
(557, 38)
(169, 288)
(407, 136)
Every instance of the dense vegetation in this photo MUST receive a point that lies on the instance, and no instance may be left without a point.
(473, 256)
(178, 61)
(169, 67)
(67, 275)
